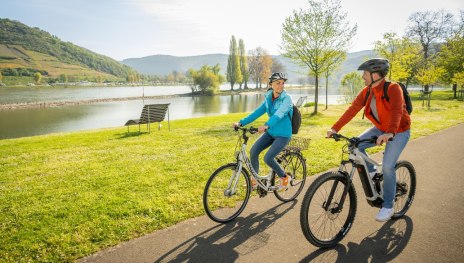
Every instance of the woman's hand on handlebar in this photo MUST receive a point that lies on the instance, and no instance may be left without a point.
(235, 125)
(262, 129)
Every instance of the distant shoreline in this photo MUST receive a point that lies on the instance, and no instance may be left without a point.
(51, 104)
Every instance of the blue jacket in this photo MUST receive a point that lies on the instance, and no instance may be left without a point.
(279, 112)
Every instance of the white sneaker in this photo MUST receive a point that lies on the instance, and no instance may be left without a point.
(384, 214)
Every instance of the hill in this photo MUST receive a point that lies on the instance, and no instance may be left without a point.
(23, 47)
(165, 64)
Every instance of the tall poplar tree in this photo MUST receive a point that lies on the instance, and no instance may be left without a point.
(243, 64)
(234, 74)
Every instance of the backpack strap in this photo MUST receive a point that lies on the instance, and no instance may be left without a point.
(365, 100)
(385, 91)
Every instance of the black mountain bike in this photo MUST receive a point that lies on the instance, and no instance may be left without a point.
(329, 206)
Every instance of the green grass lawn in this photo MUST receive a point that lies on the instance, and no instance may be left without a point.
(64, 196)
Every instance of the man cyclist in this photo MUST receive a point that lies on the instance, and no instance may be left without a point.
(390, 119)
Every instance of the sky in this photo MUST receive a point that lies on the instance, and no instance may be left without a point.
(124, 29)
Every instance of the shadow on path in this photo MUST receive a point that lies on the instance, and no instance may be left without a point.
(225, 242)
(381, 246)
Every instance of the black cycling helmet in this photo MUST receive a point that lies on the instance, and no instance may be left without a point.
(379, 65)
(276, 76)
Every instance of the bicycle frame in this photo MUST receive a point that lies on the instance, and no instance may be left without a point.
(358, 161)
(242, 158)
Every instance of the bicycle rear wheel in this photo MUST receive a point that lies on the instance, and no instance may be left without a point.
(226, 193)
(405, 187)
(294, 163)
(323, 223)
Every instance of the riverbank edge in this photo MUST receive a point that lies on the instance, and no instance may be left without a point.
(28, 105)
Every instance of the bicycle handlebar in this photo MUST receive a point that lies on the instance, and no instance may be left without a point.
(251, 129)
(355, 140)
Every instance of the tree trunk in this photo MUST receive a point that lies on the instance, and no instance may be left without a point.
(316, 93)
(455, 88)
(326, 91)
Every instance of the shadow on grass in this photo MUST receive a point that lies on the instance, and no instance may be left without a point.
(129, 134)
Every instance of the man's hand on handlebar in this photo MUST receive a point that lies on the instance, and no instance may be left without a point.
(384, 138)
(330, 133)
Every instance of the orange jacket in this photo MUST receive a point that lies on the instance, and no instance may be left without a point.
(393, 116)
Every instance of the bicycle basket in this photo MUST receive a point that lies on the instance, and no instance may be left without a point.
(298, 144)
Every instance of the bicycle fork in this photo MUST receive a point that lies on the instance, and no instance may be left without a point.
(338, 207)
(233, 181)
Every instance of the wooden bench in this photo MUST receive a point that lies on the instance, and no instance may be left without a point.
(151, 113)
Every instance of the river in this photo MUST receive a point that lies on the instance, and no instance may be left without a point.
(32, 121)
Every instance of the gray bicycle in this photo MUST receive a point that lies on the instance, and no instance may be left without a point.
(229, 188)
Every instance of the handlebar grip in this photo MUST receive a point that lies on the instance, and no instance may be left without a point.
(336, 137)
(253, 130)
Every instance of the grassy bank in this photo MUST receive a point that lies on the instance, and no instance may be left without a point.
(64, 196)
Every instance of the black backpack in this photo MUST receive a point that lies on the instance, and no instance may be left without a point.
(407, 98)
(296, 119)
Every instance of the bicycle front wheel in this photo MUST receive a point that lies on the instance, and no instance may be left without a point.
(405, 187)
(323, 221)
(295, 164)
(226, 193)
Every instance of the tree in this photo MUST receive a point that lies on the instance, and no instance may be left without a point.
(331, 66)
(277, 66)
(451, 55)
(429, 28)
(1, 76)
(459, 79)
(37, 77)
(352, 83)
(403, 54)
(429, 76)
(234, 75)
(243, 64)
(260, 63)
(266, 68)
(315, 36)
(207, 80)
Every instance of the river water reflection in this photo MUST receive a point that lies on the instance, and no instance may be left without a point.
(37, 121)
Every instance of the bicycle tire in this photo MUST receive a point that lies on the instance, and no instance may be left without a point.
(218, 205)
(322, 227)
(405, 187)
(294, 163)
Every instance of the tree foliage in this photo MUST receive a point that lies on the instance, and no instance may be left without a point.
(234, 74)
(260, 65)
(313, 37)
(352, 83)
(403, 54)
(451, 55)
(429, 28)
(243, 64)
(37, 77)
(206, 80)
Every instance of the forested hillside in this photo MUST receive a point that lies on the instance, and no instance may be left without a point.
(22, 44)
(164, 64)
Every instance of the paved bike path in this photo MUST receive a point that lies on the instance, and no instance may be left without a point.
(269, 231)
